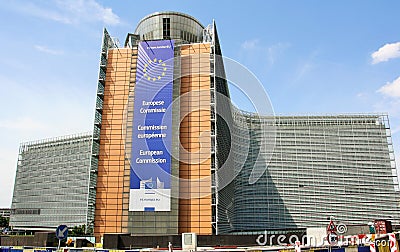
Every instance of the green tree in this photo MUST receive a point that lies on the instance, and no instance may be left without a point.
(89, 231)
(4, 222)
(77, 231)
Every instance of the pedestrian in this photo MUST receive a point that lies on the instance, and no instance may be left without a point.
(170, 247)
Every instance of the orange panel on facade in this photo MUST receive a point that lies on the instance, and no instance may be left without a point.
(195, 141)
(108, 217)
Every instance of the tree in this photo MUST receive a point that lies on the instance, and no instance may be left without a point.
(77, 231)
(4, 221)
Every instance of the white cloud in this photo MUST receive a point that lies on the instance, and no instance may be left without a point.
(47, 50)
(391, 89)
(29, 8)
(89, 10)
(390, 106)
(275, 50)
(69, 11)
(250, 44)
(362, 95)
(270, 53)
(304, 69)
(386, 52)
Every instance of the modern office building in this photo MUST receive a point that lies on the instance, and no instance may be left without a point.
(158, 158)
(52, 184)
(171, 154)
(155, 156)
(339, 166)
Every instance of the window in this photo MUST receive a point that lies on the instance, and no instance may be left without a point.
(166, 28)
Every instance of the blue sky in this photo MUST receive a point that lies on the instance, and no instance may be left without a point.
(313, 57)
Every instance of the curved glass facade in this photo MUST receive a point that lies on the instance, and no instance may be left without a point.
(322, 166)
(170, 25)
(257, 206)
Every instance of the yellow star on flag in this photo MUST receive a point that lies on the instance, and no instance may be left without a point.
(148, 72)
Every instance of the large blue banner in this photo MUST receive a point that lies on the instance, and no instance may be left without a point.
(150, 183)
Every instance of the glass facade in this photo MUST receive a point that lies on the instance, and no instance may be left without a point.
(322, 166)
(170, 25)
(52, 183)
